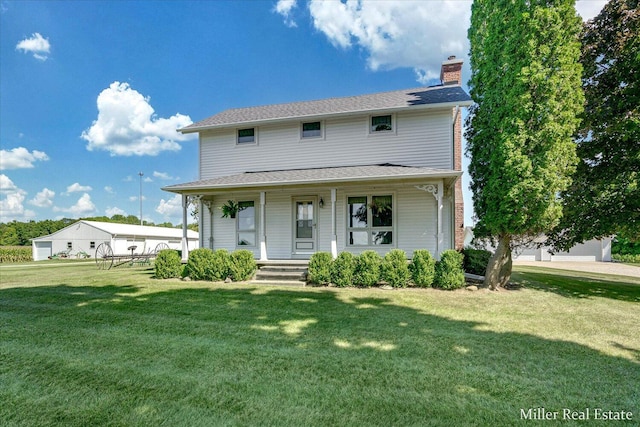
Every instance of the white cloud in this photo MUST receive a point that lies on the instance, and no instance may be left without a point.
(127, 126)
(114, 211)
(44, 199)
(6, 185)
(12, 205)
(109, 189)
(171, 208)
(162, 175)
(413, 34)
(20, 158)
(284, 8)
(136, 198)
(77, 188)
(38, 45)
(84, 206)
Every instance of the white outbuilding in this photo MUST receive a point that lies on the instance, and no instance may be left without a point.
(86, 236)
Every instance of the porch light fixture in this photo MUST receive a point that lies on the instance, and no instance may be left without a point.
(321, 203)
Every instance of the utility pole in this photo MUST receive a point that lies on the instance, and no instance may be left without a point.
(141, 174)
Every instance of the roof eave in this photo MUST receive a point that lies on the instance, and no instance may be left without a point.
(199, 188)
(441, 105)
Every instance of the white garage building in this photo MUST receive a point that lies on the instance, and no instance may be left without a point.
(86, 236)
(592, 250)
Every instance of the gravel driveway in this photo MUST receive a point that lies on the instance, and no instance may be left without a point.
(590, 266)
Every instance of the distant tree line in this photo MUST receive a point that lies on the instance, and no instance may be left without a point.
(17, 233)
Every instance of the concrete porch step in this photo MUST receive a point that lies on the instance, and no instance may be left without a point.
(286, 272)
(280, 275)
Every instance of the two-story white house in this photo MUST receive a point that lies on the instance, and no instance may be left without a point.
(376, 171)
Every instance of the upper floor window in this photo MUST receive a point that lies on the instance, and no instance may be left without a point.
(311, 130)
(247, 136)
(381, 123)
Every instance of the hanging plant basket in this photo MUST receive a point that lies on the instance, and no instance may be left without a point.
(229, 209)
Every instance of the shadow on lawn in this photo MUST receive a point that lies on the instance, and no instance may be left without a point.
(577, 285)
(305, 347)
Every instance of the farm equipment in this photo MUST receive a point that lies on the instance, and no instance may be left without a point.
(105, 258)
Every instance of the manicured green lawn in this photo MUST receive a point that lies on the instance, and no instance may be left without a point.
(82, 347)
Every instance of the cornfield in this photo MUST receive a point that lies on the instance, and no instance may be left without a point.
(15, 254)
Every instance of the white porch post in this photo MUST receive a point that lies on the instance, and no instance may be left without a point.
(263, 227)
(334, 237)
(185, 243)
(209, 204)
(440, 207)
(437, 191)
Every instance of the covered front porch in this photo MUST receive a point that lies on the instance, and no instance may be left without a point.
(284, 215)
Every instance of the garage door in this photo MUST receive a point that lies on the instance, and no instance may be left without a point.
(43, 250)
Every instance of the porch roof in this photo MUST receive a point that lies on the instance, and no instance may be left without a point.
(331, 175)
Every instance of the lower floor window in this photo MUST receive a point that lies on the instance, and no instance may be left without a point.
(246, 224)
(370, 220)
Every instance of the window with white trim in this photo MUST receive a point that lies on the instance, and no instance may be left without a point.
(246, 136)
(370, 220)
(381, 123)
(246, 224)
(311, 130)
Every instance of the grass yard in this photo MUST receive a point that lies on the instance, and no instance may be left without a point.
(82, 347)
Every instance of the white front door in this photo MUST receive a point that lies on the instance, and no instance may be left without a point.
(304, 225)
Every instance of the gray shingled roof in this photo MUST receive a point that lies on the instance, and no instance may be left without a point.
(313, 176)
(394, 100)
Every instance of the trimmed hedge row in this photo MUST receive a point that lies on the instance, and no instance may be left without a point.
(205, 264)
(370, 269)
(629, 258)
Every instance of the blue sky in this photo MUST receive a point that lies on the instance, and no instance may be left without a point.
(91, 92)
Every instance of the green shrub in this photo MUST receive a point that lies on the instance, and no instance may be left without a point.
(320, 268)
(16, 254)
(367, 271)
(168, 264)
(422, 268)
(476, 260)
(622, 245)
(449, 272)
(199, 264)
(395, 269)
(342, 269)
(243, 266)
(628, 258)
(220, 268)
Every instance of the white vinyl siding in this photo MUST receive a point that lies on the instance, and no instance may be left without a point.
(415, 219)
(420, 139)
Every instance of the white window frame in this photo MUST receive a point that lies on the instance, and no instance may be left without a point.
(370, 228)
(255, 226)
(255, 136)
(316, 137)
(393, 129)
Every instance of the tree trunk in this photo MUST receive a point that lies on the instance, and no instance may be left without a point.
(498, 271)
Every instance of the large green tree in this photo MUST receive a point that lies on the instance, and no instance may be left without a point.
(526, 86)
(604, 198)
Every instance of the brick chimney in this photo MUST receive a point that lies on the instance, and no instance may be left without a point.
(451, 71)
(451, 74)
